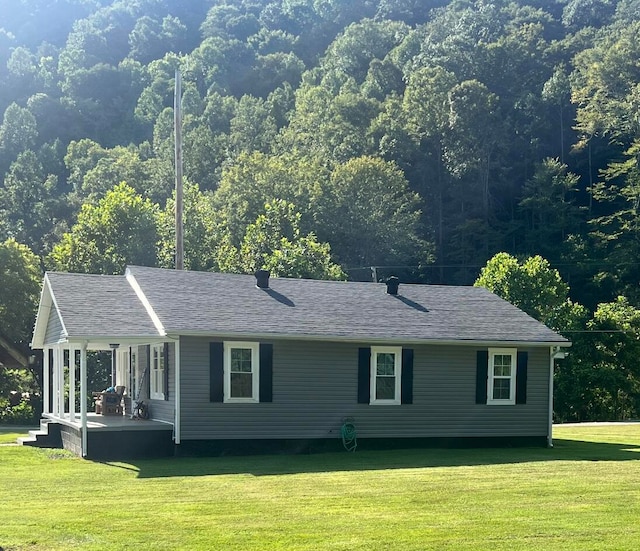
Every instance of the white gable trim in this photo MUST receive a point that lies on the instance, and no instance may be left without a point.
(47, 302)
(145, 302)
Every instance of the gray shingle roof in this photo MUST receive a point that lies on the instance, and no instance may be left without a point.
(231, 305)
(99, 305)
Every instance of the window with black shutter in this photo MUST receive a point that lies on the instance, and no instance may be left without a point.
(385, 375)
(240, 372)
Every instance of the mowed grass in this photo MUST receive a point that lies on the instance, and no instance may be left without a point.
(583, 494)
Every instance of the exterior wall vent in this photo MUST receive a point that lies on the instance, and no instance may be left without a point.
(262, 279)
(392, 285)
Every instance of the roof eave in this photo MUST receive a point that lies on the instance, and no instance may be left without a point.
(104, 342)
(365, 339)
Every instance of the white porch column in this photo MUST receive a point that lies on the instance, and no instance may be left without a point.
(60, 381)
(83, 397)
(552, 361)
(176, 427)
(72, 384)
(46, 391)
(55, 404)
(54, 383)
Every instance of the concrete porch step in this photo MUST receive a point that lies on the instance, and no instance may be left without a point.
(47, 436)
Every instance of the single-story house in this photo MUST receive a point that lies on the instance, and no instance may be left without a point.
(230, 362)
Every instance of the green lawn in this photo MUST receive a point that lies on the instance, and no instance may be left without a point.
(584, 494)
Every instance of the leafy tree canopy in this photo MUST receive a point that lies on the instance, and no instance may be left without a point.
(121, 229)
(20, 279)
(274, 242)
(531, 285)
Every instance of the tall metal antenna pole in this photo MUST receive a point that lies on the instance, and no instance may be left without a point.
(177, 112)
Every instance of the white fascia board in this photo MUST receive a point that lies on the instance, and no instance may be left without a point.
(145, 302)
(365, 339)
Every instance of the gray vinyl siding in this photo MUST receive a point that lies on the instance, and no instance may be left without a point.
(315, 388)
(54, 331)
(160, 410)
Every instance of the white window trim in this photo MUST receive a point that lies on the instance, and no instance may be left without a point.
(156, 386)
(493, 352)
(397, 351)
(255, 372)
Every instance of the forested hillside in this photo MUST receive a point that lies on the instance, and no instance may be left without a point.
(335, 138)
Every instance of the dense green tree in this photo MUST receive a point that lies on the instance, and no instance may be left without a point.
(225, 64)
(360, 43)
(600, 380)
(274, 242)
(28, 202)
(273, 70)
(531, 285)
(121, 229)
(587, 13)
(616, 233)
(331, 125)
(152, 37)
(202, 231)
(203, 155)
(18, 133)
(370, 217)
(549, 213)
(605, 85)
(93, 170)
(20, 278)
(254, 180)
(426, 111)
(557, 92)
(472, 152)
(252, 128)
(615, 378)
(23, 72)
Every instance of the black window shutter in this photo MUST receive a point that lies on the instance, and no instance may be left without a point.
(521, 378)
(364, 375)
(482, 372)
(266, 373)
(147, 383)
(165, 352)
(406, 380)
(216, 372)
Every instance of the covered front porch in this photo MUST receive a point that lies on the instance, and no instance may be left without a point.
(83, 313)
(70, 420)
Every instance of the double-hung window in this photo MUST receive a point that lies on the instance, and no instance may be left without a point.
(386, 368)
(501, 380)
(242, 372)
(156, 362)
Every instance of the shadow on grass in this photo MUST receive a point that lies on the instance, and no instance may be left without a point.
(269, 465)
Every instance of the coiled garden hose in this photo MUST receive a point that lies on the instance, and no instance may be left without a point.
(348, 432)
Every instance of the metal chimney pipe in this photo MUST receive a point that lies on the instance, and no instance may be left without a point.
(262, 279)
(392, 285)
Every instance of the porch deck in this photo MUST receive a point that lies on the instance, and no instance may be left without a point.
(97, 422)
(111, 437)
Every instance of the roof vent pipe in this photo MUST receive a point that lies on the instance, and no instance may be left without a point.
(262, 279)
(392, 285)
